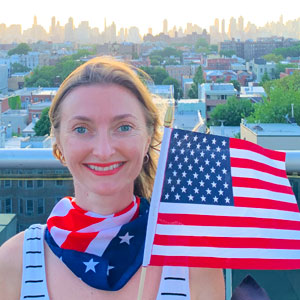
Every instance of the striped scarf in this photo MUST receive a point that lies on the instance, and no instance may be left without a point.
(104, 251)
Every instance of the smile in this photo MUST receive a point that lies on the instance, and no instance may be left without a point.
(105, 169)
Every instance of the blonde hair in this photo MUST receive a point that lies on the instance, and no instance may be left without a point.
(106, 70)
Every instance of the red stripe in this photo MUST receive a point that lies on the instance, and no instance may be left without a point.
(226, 263)
(250, 164)
(265, 203)
(245, 145)
(225, 221)
(260, 184)
(78, 241)
(228, 242)
(73, 221)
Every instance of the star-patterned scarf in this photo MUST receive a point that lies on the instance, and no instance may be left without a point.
(103, 251)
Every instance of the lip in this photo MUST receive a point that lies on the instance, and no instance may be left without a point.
(105, 172)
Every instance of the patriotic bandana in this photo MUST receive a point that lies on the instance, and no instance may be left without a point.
(103, 251)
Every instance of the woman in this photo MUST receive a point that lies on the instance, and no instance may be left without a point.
(106, 128)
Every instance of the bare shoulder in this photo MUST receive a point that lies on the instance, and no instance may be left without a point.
(207, 284)
(11, 267)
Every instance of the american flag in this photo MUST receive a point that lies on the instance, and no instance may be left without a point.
(221, 203)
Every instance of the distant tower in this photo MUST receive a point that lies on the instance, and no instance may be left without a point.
(150, 30)
(232, 30)
(104, 24)
(165, 26)
(34, 20)
(281, 19)
(217, 25)
(223, 27)
(241, 24)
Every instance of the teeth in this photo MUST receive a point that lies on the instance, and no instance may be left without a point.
(105, 168)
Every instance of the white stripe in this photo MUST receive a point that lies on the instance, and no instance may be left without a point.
(221, 210)
(59, 235)
(250, 173)
(256, 157)
(156, 194)
(215, 231)
(62, 208)
(111, 221)
(264, 194)
(225, 252)
(99, 244)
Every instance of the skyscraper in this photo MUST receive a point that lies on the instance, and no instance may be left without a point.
(165, 26)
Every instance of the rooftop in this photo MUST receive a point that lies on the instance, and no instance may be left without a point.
(274, 129)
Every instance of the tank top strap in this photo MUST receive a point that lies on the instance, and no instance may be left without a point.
(174, 284)
(34, 284)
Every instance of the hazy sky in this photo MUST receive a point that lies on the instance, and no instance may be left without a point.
(145, 14)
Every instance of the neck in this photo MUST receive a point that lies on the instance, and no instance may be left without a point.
(102, 204)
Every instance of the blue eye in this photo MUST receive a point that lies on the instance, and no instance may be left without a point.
(81, 130)
(125, 128)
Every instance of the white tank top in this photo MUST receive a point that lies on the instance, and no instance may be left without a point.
(174, 283)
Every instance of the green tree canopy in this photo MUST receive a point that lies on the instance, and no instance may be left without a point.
(18, 68)
(227, 53)
(281, 93)
(198, 79)
(177, 90)
(264, 78)
(293, 51)
(281, 68)
(43, 125)
(14, 102)
(236, 85)
(22, 48)
(157, 74)
(232, 111)
(273, 57)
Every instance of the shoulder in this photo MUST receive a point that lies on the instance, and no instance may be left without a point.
(11, 253)
(207, 283)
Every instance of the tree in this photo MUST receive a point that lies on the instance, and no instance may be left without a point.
(232, 111)
(14, 102)
(227, 53)
(43, 125)
(264, 78)
(18, 68)
(198, 79)
(22, 48)
(281, 93)
(273, 57)
(177, 90)
(157, 74)
(236, 85)
(293, 51)
(281, 68)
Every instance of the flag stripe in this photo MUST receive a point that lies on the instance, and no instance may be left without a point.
(216, 231)
(264, 203)
(249, 173)
(220, 210)
(230, 242)
(261, 193)
(215, 262)
(203, 220)
(259, 184)
(226, 252)
(248, 164)
(273, 155)
(256, 157)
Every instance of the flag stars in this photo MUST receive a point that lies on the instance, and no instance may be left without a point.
(221, 192)
(195, 175)
(207, 162)
(224, 171)
(177, 197)
(178, 181)
(214, 141)
(126, 238)
(207, 147)
(225, 185)
(196, 190)
(183, 189)
(198, 146)
(204, 140)
(208, 191)
(213, 184)
(188, 145)
(170, 165)
(202, 154)
(219, 177)
(182, 151)
(186, 159)
(227, 200)
(191, 198)
(176, 158)
(167, 196)
(195, 138)
(190, 167)
(216, 199)
(207, 176)
(180, 166)
(203, 198)
(172, 188)
(174, 173)
(184, 174)
(223, 156)
(218, 163)
(179, 143)
(213, 170)
(192, 152)
(201, 183)
(173, 150)
(176, 135)
(201, 169)
(189, 182)
(213, 155)
(196, 160)
(90, 265)
(169, 180)
(186, 137)
(224, 143)
(218, 149)
(108, 269)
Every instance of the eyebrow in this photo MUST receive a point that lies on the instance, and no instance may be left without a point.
(116, 118)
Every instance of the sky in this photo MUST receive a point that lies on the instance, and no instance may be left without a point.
(145, 14)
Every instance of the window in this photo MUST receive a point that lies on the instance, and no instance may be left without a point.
(21, 206)
(40, 206)
(29, 207)
(29, 184)
(59, 183)
(7, 184)
(8, 206)
(20, 183)
(40, 183)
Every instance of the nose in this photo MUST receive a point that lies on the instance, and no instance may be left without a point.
(103, 146)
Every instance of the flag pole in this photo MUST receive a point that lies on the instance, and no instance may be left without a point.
(168, 122)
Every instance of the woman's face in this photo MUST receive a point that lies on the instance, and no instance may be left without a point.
(103, 137)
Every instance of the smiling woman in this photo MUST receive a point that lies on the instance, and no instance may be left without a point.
(106, 129)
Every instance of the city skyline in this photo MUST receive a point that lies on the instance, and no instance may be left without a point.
(134, 13)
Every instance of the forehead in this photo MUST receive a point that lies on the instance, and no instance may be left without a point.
(101, 101)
